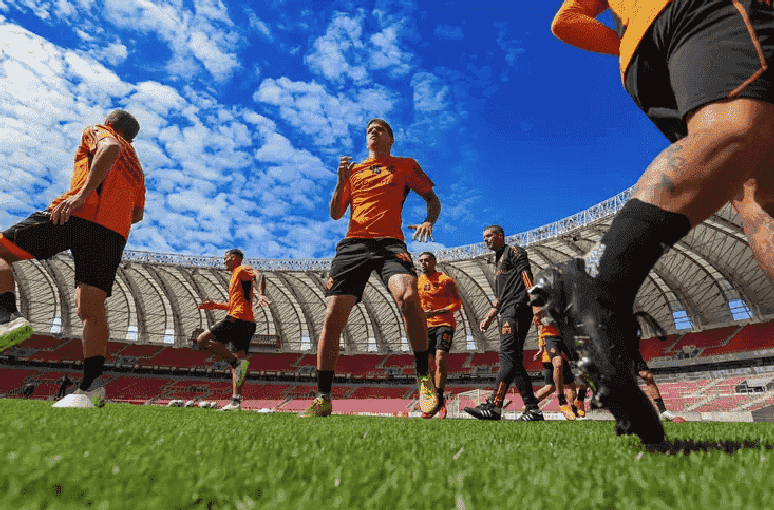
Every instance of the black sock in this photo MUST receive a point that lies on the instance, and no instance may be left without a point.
(574, 409)
(440, 391)
(423, 366)
(562, 400)
(639, 234)
(234, 363)
(324, 381)
(582, 394)
(7, 304)
(92, 369)
(660, 404)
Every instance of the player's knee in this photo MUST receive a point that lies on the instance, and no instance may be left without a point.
(646, 376)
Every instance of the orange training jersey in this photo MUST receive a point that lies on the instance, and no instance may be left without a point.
(112, 203)
(635, 16)
(544, 357)
(239, 305)
(437, 292)
(376, 191)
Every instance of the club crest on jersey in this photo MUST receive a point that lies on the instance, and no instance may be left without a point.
(376, 169)
(446, 336)
(507, 329)
(426, 286)
(329, 283)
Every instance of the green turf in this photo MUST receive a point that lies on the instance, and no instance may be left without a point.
(139, 457)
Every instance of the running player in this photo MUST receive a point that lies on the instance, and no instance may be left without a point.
(556, 370)
(440, 300)
(513, 276)
(699, 71)
(374, 191)
(238, 327)
(92, 220)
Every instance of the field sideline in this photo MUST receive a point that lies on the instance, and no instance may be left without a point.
(145, 457)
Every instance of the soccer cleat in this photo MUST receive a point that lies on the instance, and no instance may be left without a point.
(240, 372)
(320, 407)
(235, 405)
(485, 411)
(428, 396)
(14, 330)
(531, 415)
(567, 412)
(668, 416)
(93, 397)
(600, 335)
(581, 409)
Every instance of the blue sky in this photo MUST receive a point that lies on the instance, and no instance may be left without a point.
(245, 109)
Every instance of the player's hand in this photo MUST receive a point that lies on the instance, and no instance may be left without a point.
(62, 211)
(431, 313)
(424, 232)
(535, 357)
(208, 304)
(345, 168)
(262, 300)
(484, 324)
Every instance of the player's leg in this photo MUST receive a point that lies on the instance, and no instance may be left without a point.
(406, 294)
(548, 383)
(241, 335)
(208, 341)
(580, 401)
(34, 237)
(337, 310)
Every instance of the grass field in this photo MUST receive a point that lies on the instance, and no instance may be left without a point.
(140, 457)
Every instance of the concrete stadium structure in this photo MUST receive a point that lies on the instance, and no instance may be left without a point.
(708, 280)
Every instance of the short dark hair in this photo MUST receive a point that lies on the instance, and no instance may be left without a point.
(124, 121)
(496, 228)
(380, 121)
(236, 252)
(429, 254)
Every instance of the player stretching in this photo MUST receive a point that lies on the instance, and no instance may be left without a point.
(556, 370)
(440, 299)
(374, 190)
(699, 71)
(238, 327)
(92, 220)
(513, 276)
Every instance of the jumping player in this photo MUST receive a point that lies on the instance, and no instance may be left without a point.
(92, 220)
(238, 327)
(699, 70)
(556, 370)
(440, 300)
(513, 276)
(374, 191)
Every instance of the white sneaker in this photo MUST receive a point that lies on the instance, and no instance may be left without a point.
(16, 330)
(93, 397)
(668, 416)
(190, 403)
(235, 405)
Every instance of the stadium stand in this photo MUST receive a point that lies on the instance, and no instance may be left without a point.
(752, 337)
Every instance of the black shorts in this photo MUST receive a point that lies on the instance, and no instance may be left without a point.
(698, 52)
(439, 338)
(355, 260)
(638, 361)
(548, 373)
(238, 332)
(96, 250)
(555, 347)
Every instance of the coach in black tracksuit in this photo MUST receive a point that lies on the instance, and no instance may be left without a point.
(513, 276)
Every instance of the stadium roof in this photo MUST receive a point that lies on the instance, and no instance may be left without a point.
(709, 279)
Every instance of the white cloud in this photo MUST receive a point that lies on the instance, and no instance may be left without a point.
(339, 53)
(386, 53)
(430, 92)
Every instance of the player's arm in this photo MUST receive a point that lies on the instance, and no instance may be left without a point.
(424, 230)
(108, 151)
(261, 299)
(138, 213)
(209, 304)
(576, 24)
(490, 315)
(341, 193)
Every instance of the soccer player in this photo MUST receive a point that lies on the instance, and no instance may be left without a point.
(440, 300)
(92, 220)
(643, 371)
(238, 327)
(699, 71)
(374, 191)
(556, 370)
(513, 276)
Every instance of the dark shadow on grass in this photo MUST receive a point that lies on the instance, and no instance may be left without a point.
(686, 446)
